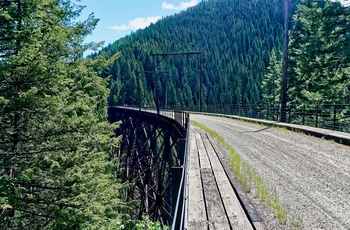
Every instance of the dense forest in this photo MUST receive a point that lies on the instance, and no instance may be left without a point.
(241, 43)
(236, 38)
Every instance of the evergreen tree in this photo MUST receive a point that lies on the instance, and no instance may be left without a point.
(235, 36)
(55, 162)
(319, 54)
(271, 85)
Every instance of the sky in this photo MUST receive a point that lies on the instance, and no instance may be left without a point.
(119, 18)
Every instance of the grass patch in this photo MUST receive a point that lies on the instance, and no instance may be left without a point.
(296, 222)
(252, 181)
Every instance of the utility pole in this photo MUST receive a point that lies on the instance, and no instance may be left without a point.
(156, 89)
(164, 55)
(153, 72)
(200, 82)
(138, 90)
(285, 63)
(166, 94)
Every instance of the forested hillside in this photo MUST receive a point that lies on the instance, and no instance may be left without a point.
(235, 36)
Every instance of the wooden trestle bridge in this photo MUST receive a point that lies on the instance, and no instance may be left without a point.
(180, 178)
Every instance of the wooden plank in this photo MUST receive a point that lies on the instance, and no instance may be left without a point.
(250, 210)
(203, 157)
(199, 141)
(216, 147)
(223, 208)
(193, 157)
(213, 159)
(197, 218)
(196, 204)
(259, 226)
(235, 212)
(215, 210)
(197, 225)
(253, 214)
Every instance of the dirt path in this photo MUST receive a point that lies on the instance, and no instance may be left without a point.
(310, 175)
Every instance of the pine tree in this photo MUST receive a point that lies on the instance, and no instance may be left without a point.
(271, 85)
(235, 46)
(319, 49)
(55, 161)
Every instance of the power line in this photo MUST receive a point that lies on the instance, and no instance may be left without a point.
(166, 54)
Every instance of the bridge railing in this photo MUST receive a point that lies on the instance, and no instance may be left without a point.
(159, 146)
(180, 213)
(178, 115)
(327, 116)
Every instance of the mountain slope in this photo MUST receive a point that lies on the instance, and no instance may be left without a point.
(235, 37)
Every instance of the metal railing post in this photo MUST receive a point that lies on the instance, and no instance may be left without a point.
(178, 189)
(289, 113)
(334, 116)
(304, 110)
(316, 125)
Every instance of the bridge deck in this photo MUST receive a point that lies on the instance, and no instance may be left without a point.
(212, 200)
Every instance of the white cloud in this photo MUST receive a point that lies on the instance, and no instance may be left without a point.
(181, 6)
(343, 2)
(137, 23)
(168, 6)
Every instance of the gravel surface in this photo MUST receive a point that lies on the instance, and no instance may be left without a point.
(311, 175)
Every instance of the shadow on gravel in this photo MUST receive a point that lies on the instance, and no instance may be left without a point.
(256, 131)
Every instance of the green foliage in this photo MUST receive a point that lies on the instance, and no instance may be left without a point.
(149, 225)
(319, 54)
(56, 169)
(271, 85)
(235, 36)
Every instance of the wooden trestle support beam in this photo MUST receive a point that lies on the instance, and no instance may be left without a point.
(149, 158)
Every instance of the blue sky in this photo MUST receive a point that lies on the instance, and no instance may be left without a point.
(119, 18)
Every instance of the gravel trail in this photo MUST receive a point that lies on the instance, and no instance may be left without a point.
(311, 175)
